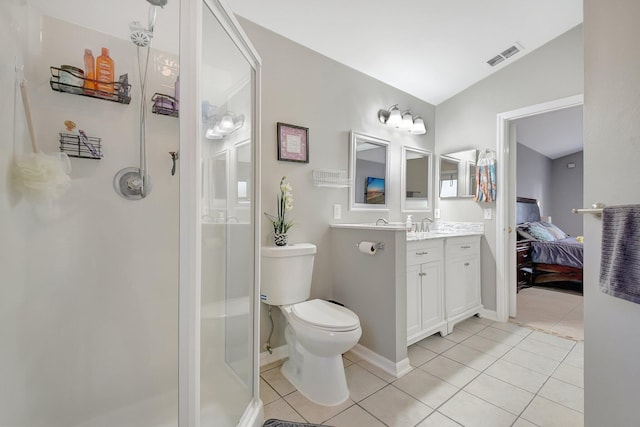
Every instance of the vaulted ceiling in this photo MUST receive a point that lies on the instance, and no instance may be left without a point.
(431, 49)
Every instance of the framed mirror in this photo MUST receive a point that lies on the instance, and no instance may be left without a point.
(369, 172)
(416, 181)
(243, 172)
(458, 174)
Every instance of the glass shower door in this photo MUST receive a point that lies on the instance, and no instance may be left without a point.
(227, 87)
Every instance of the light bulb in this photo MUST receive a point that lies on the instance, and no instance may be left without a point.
(212, 134)
(407, 121)
(238, 123)
(394, 116)
(418, 127)
(226, 123)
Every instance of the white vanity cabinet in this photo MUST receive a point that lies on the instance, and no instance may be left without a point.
(425, 289)
(462, 279)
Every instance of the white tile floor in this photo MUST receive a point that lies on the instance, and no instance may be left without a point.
(553, 310)
(484, 374)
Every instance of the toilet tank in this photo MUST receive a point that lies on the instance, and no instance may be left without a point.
(286, 273)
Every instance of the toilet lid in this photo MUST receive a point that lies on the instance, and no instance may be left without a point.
(326, 315)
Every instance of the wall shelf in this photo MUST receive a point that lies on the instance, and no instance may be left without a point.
(82, 147)
(164, 105)
(121, 92)
(331, 178)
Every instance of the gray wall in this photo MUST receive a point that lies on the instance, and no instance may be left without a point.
(302, 87)
(611, 153)
(567, 193)
(372, 290)
(534, 177)
(468, 119)
(553, 184)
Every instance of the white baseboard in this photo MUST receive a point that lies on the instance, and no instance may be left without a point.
(489, 314)
(398, 369)
(254, 414)
(278, 354)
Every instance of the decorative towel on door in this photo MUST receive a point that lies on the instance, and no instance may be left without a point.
(620, 263)
(486, 177)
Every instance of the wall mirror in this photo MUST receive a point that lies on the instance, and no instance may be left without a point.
(243, 172)
(416, 179)
(458, 174)
(369, 172)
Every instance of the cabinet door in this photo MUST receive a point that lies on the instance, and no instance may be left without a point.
(471, 267)
(413, 300)
(462, 290)
(431, 294)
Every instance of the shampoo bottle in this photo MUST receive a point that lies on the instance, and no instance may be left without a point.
(89, 71)
(105, 72)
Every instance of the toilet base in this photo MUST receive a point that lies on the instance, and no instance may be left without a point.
(320, 379)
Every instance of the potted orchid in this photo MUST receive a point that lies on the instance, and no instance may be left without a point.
(285, 204)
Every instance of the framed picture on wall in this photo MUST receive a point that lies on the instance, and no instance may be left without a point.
(293, 143)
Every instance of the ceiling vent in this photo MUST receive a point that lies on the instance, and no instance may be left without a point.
(507, 53)
(495, 60)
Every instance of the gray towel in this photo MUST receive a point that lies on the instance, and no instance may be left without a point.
(620, 264)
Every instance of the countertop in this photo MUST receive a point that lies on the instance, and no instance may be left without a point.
(412, 237)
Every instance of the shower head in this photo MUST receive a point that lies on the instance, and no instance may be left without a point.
(153, 11)
(140, 36)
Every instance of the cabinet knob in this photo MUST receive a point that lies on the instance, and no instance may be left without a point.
(422, 274)
(466, 264)
(465, 247)
(422, 253)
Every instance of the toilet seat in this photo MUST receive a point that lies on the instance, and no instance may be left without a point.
(325, 315)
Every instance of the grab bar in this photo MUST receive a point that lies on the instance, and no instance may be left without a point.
(595, 209)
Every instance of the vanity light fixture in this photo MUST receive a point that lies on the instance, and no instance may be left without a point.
(220, 127)
(390, 117)
(404, 121)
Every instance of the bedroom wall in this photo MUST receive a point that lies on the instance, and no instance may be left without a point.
(468, 119)
(534, 177)
(304, 88)
(557, 188)
(567, 192)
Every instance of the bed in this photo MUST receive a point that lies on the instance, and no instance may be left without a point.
(554, 256)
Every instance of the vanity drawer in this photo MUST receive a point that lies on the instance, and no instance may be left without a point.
(462, 246)
(420, 252)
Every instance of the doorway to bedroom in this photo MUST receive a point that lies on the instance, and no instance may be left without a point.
(547, 267)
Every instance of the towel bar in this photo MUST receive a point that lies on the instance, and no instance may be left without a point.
(595, 209)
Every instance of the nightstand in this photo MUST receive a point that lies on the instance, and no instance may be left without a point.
(525, 266)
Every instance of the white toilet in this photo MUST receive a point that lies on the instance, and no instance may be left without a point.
(317, 331)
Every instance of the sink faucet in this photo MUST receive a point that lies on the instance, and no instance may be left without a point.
(422, 227)
(384, 221)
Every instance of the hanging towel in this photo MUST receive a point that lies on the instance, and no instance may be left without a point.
(486, 177)
(620, 263)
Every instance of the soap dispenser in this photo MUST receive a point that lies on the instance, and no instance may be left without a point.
(409, 224)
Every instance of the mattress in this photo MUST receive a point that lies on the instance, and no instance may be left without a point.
(567, 252)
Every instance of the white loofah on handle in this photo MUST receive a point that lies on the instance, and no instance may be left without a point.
(37, 175)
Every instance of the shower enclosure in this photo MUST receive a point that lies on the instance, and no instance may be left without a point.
(131, 312)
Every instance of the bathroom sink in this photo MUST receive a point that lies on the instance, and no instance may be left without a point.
(370, 225)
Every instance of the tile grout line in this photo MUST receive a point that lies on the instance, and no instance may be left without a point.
(480, 372)
(536, 394)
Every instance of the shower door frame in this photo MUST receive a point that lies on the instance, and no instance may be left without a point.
(191, 14)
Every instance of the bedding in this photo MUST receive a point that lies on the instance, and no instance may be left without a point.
(566, 252)
(555, 256)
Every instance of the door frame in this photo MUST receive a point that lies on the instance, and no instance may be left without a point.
(505, 221)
